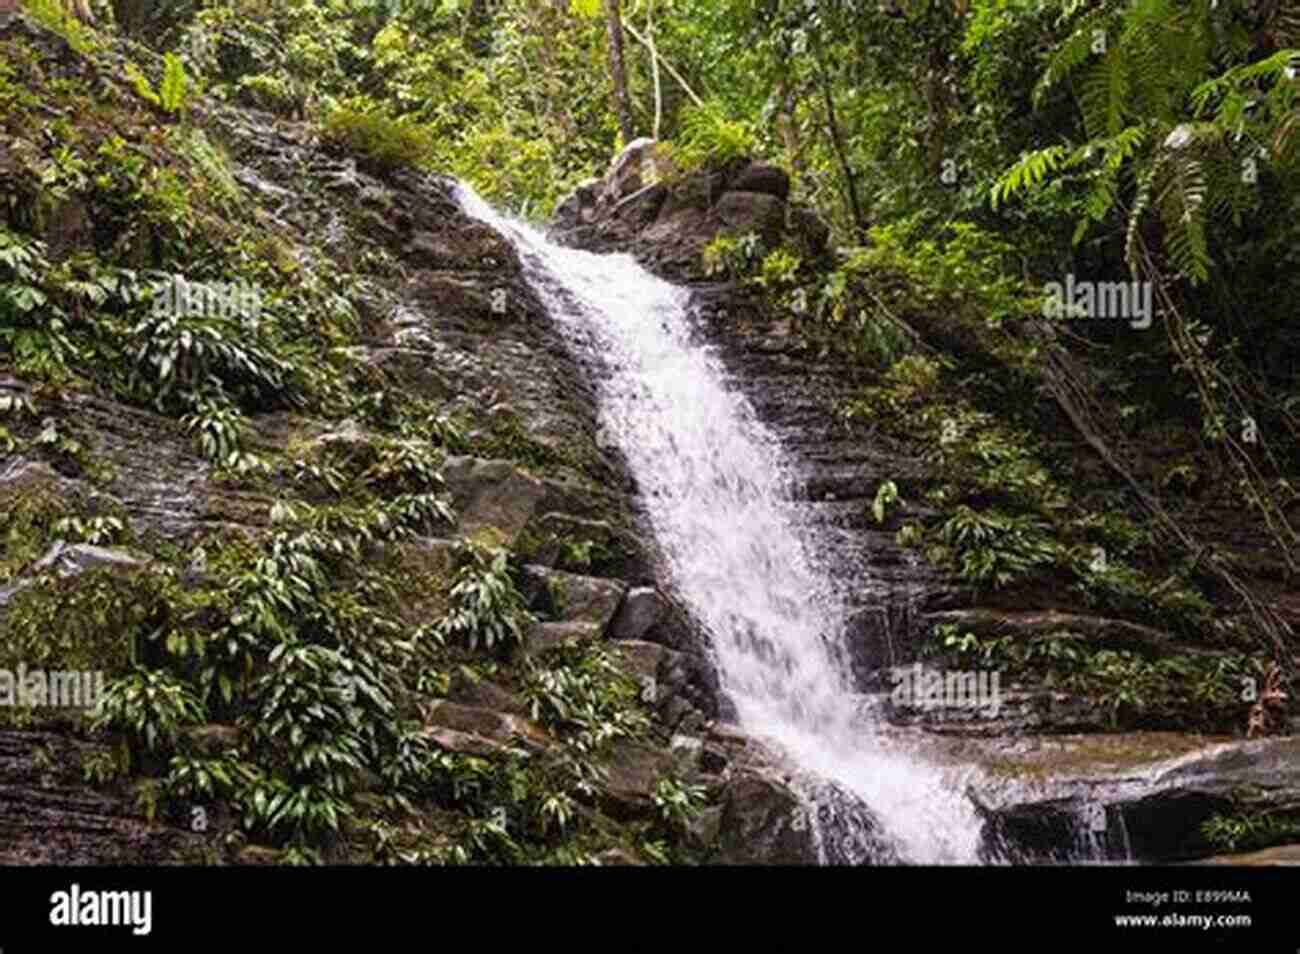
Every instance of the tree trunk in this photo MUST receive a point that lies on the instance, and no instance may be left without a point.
(785, 124)
(837, 142)
(618, 72)
(654, 67)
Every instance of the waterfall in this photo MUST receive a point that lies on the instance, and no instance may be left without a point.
(740, 554)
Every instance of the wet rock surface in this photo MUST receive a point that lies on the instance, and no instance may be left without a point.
(1142, 797)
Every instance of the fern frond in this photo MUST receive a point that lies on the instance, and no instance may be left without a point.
(1286, 24)
(1271, 70)
(1285, 137)
(143, 88)
(1181, 202)
(1142, 201)
(174, 83)
(1028, 172)
(1101, 93)
(1071, 54)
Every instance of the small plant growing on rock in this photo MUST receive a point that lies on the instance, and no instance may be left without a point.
(1243, 832)
(388, 142)
(710, 137)
(733, 257)
(99, 767)
(172, 93)
(886, 495)
(487, 607)
(97, 531)
(152, 708)
(677, 802)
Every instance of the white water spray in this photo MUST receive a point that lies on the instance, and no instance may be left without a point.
(717, 490)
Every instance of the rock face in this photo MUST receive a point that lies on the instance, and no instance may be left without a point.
(665, 219)
(48, 816)
(1138, 796)
(454, 324)
(69, 561)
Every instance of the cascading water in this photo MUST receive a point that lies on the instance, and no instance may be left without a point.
(716, 487)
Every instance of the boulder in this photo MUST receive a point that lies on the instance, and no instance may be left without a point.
(739, 213)
(641, 609)
(643, 660)
(485, 694)
(1152, 812)
(543, 636)
(762, 822)
(631, 170)
(665, 217)
(571, 597)
(498, 727)
(762, 177)
(633, 771)
(491, 494)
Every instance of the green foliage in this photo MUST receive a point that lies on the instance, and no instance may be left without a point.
(88, 623)
(583, 695)
(387, 141)
(100, 767)
(1195, 692)
(32, 326)
(967, 268)
(487, 608)
(218, 430)
(677, 802)
(779, 269)
(152, 707)
(709, 138)
(887, 494)
(908, 381)
(57, 15)
(28, 525)
(184, 358)
(172, 94)
(1248, 831)
(96, 531)
(993, 548)
(734, 256)
(1138, 71)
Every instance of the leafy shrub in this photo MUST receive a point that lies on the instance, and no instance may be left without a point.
(184, 357)
(733, 256)
(995, 548)
(487, 608)
(581, 693)
(32, 326)
(152, 707)
(779, 269)
(386, 141)
(1182, 692)
(709, 137)
(1248, 831)
(271, 92)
